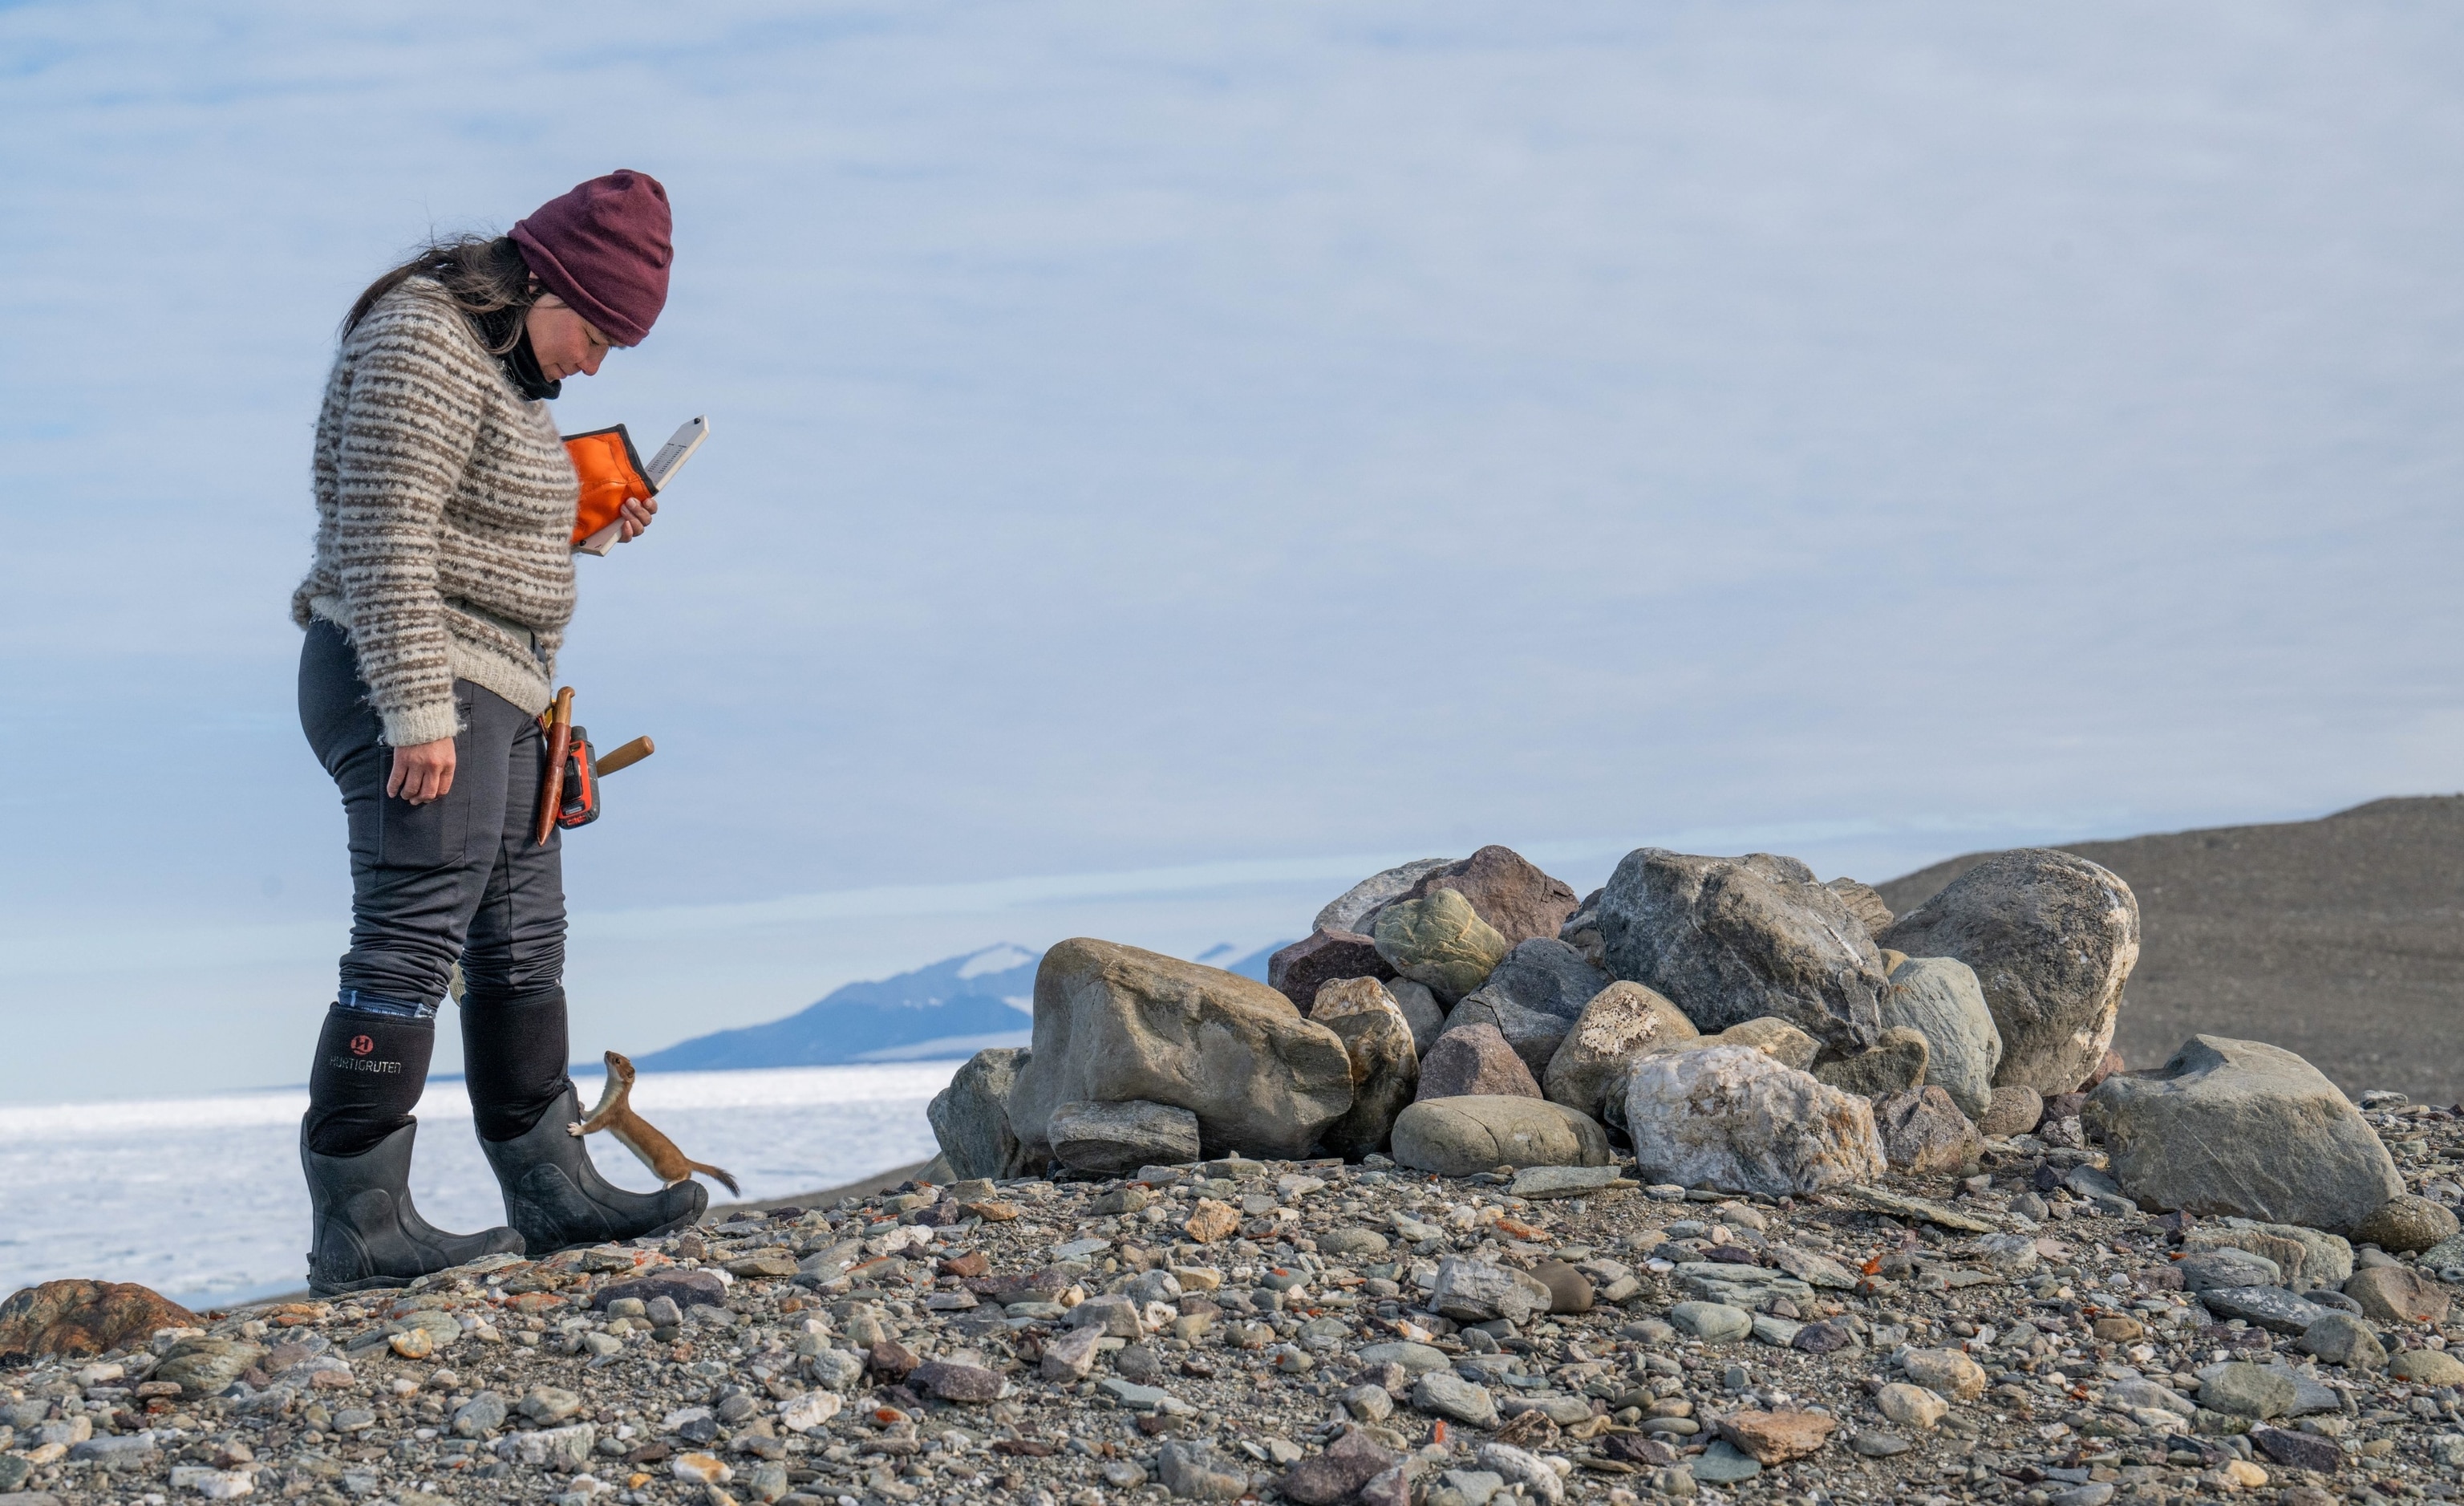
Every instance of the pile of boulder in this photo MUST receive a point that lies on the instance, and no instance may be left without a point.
(1739, 1025)
(1718, 1185)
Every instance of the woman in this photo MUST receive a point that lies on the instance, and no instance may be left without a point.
(440, 593)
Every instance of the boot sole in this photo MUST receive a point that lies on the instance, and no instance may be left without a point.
(363, 1284)
(688, 1221)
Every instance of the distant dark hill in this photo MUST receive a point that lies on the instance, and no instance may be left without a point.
(955, 1007)
(2341, 939)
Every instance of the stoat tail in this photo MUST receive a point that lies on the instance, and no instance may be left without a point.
(717, 1175)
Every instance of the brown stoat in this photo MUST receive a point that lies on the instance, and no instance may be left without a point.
(648, 1147)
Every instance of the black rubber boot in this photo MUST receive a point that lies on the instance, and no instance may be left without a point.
(368, 1233)
(557, 1199)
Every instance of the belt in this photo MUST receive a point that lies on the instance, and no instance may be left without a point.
(520, 635)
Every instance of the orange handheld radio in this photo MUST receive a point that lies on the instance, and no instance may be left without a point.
(612, 473)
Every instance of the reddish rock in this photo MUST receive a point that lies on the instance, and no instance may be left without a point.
(1925, 1134)
(1299, 971)
(974, 1263)
(1209, 1221)
(1474, 1061)
(1633, 1449)
(1776, 1437)
(2398, 1294)
(892, 1358)
(2104, 1069)
(83, 1318)
(1519, 900)
(2299, 1451)
(947, 1382)
(2015, 1111)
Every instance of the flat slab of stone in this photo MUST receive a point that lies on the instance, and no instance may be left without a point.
(1447, 1395)
(1565, 1182)
(1932, 1212)
(1712, 1322)
(2269, 1307)
(1752, 1285)
(1724, 1464)
(1415, 1359)
(1135, 1397)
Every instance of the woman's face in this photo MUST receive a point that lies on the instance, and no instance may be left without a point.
(563, 340)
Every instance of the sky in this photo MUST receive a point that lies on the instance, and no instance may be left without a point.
(1167, 462)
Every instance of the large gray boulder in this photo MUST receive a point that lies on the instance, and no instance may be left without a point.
(1456, 1137)
(1622, 1021)
(1508, 891)
(2051, 939)
(1113, 1023)
(1939, 998)
(1546, 976)
(1385, 1068)
(1731, 1119)
(1732, 938)
(1421, 1008)
(2244, 1129)
(1439, 940)
(970, 1117)
(1357, 907)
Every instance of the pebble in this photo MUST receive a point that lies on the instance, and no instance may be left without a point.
(2269, 1307)
(1911, 1405)
(1724, 1464)
(1712, 1322)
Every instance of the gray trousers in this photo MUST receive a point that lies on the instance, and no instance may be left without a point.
(456, 879)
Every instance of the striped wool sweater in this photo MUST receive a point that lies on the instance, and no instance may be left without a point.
(445, 507)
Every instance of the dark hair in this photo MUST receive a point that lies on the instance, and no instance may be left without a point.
(487, 276)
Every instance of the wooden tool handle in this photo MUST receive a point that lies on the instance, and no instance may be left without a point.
(560, 743)
(626, 757)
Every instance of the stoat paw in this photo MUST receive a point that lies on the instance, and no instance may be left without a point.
(574, 1129)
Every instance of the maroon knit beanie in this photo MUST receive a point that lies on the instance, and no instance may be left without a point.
(604, 249)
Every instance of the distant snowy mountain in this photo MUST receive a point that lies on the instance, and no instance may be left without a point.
(955, 1007)
(1253, 965)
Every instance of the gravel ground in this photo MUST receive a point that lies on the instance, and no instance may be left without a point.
(1999, 1340)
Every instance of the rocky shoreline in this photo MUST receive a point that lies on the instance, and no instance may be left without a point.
(1765, 1218)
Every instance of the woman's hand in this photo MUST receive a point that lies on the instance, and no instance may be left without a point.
(422, 772)
(633, 517)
